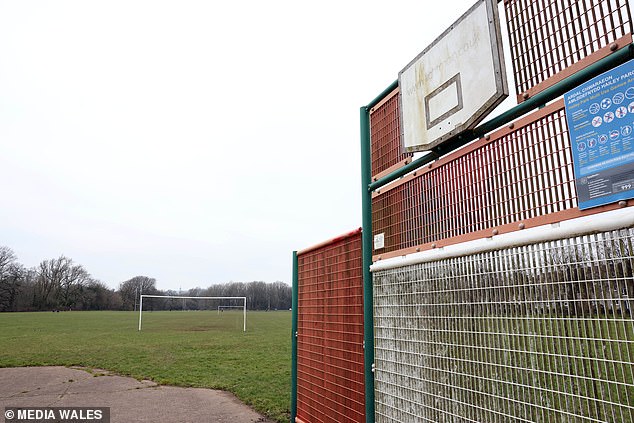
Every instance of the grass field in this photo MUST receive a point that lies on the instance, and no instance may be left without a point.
(193, 349)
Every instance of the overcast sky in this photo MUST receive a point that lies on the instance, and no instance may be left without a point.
(195, 142)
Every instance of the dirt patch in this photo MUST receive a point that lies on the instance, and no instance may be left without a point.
(130, 400)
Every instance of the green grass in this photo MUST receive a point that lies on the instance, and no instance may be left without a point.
(193, 349)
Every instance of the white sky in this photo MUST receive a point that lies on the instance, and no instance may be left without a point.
(195, 142)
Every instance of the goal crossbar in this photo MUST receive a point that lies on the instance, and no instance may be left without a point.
(244, 306)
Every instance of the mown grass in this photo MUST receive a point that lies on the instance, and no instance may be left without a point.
(194, 349)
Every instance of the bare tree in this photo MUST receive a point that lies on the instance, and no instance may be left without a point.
(59, 283)
(11, 273)
(95, 295)
(71, 285)
(25, 294)
(7, 257)
(131, 290)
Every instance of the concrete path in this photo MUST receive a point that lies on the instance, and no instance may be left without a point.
(130, 400)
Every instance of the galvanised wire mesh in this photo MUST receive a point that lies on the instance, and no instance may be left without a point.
(517, 175)
(538, 333)
(549, 36)
(385, 134)
(330, 370)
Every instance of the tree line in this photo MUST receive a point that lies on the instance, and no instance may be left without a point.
(61, 284)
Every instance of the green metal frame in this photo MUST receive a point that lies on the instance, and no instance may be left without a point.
(366, 242)
(294, 302)
(539, 100)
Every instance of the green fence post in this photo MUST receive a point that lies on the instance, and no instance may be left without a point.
(294, 340)
(366, 237)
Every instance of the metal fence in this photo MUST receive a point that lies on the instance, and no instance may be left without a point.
(387, 150)
(515, 175)
(539, 333)
(550, 39)
(330, 370)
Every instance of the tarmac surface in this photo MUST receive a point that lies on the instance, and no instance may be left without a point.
(130, 400)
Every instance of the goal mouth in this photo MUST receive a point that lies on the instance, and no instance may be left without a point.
(242, 307)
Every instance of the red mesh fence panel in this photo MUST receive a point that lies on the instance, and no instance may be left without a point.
(552, 38)
(330, 370)
(517, 175)
(385, 135)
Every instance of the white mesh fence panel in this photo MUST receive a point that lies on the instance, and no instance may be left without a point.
(539, 333)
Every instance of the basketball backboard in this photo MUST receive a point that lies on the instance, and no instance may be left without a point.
(455, 82)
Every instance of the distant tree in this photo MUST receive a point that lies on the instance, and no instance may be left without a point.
(260, 295)
(72, 286)
(96, 295)
(54, 284)
(257, 298)
(193, 304)
(11, 273)
(7, 257)
(11, 285)
(232, 289)
(273, 297)
(131, 290)
(280, 295)
(50, 273)
(171, 303)
(59, 282)
(26, 293)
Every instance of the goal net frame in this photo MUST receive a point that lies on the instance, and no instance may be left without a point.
(244, 305)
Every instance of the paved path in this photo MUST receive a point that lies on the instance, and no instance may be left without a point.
(130, 400)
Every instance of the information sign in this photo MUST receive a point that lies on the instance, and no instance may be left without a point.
(600, 116)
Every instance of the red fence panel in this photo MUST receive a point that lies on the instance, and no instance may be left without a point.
(518, 177)
(387, 151)
(330, 370)
(551, 39)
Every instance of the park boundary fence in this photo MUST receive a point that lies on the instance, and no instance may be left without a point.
(490, 296)
(328, 333)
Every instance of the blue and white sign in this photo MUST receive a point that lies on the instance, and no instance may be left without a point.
(600, 115)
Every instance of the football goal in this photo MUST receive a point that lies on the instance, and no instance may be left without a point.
(232, 299)
(222, 308)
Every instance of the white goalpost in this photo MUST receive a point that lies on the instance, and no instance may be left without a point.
(244, 305)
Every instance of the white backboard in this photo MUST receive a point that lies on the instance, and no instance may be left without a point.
(455, 82)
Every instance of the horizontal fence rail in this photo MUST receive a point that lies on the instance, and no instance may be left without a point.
(538, 333)
(330, 370)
